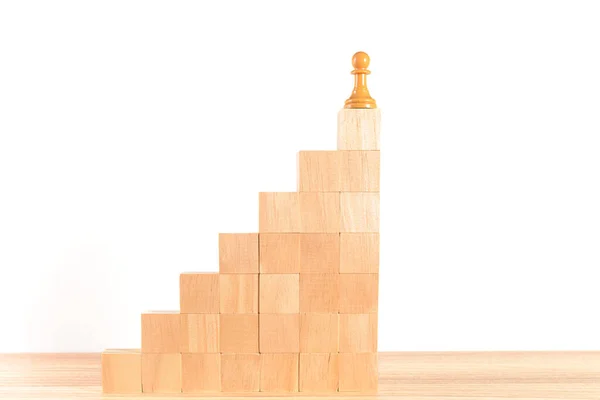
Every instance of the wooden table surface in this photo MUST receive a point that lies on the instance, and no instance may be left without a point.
(415, 376)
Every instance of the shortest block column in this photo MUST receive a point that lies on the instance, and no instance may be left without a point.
(121, 371)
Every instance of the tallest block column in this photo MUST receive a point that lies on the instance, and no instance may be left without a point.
(358, 143)
(359, 120)
(358, 129)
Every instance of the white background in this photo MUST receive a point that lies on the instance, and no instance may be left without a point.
(131, 133)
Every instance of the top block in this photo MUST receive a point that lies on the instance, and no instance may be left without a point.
(358, 129)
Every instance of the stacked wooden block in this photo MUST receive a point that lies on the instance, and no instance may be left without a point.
(294, 306)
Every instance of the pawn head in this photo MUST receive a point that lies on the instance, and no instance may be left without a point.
(361, 60)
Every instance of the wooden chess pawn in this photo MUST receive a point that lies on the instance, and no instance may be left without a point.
(360, 97)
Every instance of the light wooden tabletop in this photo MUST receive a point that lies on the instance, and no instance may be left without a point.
(415, 376)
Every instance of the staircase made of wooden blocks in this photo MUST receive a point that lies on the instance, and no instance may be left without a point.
(294, 306)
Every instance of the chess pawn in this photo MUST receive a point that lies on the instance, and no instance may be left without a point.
(360, 97)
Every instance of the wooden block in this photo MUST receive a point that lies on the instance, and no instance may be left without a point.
(287, 253)
(319, 212)
(359, 212)
(359, 171)
(359, 253)
(319, 372)
(279, 293)
(239, 333)
(278, 212)
(199, 293)
(161, 332)
(279, 253)
(320, 253)
(358, 293)
(200, 333)
(121, 371)
(279, 372)
(279, 333)
(238, 253)
(200, 373)
(239, 293)
(319, 333)
(319, 293)
(358, 129)
(161, 373)
(358, 333)
(240, 373)
(358, 372)
(319, 171)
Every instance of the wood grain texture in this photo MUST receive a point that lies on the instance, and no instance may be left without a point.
(200, 333)
(358, 129)
(279, 333)
(279, 253)
(238, 253)
(319, 333)
(358, 333)
(359, 293)
(240, 372)
(239, 333)
(410, 376)
(279, 293)
(291, 212)
(122, 371)
(199, 293)
(239, 293)
(359, 171)
(359, 253)
(161, 373)
(319, 171)
(319, 293)
(358, 372)
(161, 332)
(291, 253)
(319, 373)
(200, 373)
(279, 372)
(338, 171)
(359, 212)
(320, 253)
(278, 212)
(319, 212)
